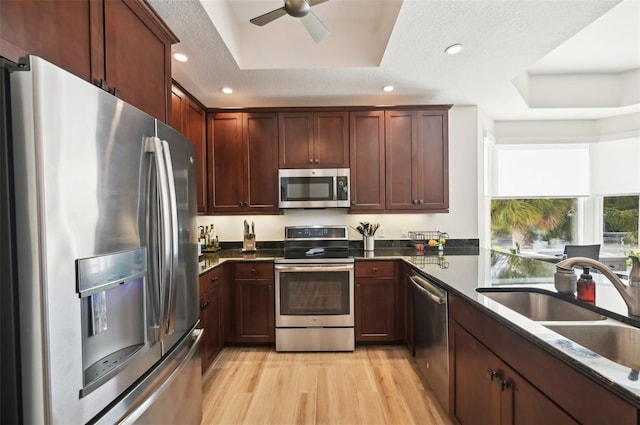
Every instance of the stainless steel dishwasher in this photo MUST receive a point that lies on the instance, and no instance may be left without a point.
(430, 335)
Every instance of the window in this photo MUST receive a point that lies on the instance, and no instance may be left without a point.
(620, 224)
(545, 195)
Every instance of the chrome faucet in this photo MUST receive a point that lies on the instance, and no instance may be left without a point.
(565, 279)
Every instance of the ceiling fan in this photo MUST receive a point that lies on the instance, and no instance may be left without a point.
(298, 9)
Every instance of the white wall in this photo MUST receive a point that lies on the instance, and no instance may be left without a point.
(461, 222)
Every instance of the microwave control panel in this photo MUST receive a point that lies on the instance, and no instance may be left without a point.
(343, 188)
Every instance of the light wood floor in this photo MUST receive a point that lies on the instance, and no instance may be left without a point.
(373, 385)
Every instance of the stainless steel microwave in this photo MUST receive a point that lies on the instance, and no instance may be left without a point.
(314, 188)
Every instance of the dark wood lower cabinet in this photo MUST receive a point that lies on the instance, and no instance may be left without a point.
(379, 302)
(487, 391)
(375, 309)
(211, 316)
(254, 295)
(498, 376)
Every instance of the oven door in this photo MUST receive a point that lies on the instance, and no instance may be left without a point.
(314, 295)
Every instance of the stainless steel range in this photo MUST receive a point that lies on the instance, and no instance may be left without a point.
(315, 290)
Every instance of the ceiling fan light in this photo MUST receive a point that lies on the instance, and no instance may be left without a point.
(227, 90)
(180, 57)
(388, 89)
(453, 49)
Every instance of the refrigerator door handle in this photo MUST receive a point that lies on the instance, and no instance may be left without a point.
(154, 146)
(173, 226)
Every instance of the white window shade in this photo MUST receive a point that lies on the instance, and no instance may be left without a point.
(534, 171)
(615, 167)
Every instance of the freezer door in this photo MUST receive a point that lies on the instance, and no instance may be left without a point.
(170, 394)
(80, 184)
(182, 307)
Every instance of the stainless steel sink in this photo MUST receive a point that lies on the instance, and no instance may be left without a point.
(617, 342)
(541, 307)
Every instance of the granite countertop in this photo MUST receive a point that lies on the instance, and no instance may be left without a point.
(209, 260)
(461, 270)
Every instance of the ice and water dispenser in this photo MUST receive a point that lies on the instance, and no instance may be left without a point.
(114, 326)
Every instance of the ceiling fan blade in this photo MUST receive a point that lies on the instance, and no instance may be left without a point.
(268, 17)
(315, 27)
(314, 2)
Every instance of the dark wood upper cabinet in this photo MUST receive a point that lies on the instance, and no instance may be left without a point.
(121, 45)
(137, 56)
(243, 154)
(417, 162)
(189, 118)
(313, 139)
(367, 160)
(58, 32)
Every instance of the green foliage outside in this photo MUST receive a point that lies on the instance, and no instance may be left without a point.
(621, 215)
(530, 219)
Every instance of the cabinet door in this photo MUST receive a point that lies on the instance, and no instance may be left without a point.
(215, 320)
(295, 146)
(331, 140)
(523, 404)
(375, 309)
(400, 131)
(137, 56)
(367, 160)
(475, 395)
(195, 130)
(227, 162)
(432, 183)
(255, 310)
(205, 323)
(178, 105)
(261, 136)
(55, 31)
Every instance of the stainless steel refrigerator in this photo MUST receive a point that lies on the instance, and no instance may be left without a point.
(101, 268)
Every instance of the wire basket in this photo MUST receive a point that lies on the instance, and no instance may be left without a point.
(423, 260)
(422, 237)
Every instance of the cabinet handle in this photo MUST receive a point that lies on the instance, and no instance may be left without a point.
(420, 201)
(492, 374)
(375, 269)
(317, 161)
(204, 306)
(413, 201)
(269, 286)
(357, 285)
(310, 161)
(213, 279)
(504, 384)
(253, 270)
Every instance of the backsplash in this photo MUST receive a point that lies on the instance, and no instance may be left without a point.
(392, 226)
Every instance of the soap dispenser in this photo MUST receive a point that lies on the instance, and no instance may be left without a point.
(586, 287)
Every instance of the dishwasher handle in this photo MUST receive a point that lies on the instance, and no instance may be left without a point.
(436, 294)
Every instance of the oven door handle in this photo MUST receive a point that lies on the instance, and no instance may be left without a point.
(314, 268)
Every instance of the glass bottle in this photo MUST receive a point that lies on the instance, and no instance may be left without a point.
(586, 287)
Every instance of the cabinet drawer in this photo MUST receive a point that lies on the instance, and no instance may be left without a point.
(254, 270)
(209, 278)
(375, 268)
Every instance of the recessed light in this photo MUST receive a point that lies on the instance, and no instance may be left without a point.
(387, 88)
(453, 49)
(180, 57)
(227, 90)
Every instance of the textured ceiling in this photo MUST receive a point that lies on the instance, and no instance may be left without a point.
(507, 44)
